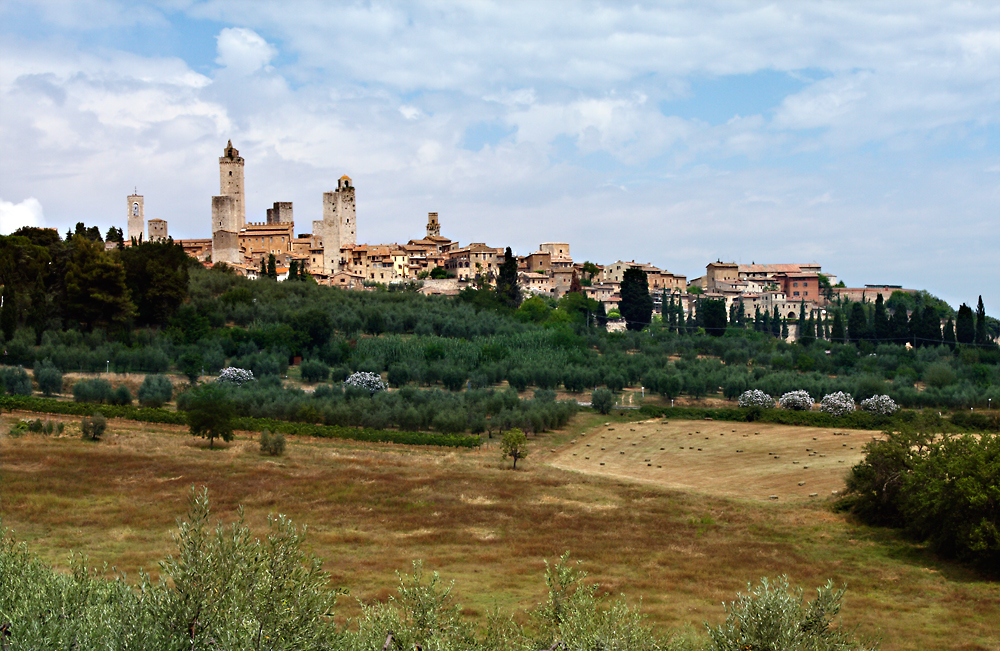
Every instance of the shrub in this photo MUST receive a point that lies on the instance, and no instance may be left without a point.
(313, 370)
(837, 404)
(49, 378)
(602, 400)
(120, 396)
(272, 444)
(96, 390)
(92, 427)
(771, 617)
(880, 405)
(756, 398)
(796, 400)
(15, 381)
(155, 391)
(234, 375)
(370, 382)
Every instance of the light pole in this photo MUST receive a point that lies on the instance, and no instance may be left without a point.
(107, 369)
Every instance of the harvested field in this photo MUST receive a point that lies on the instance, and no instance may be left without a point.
(757, 461)
(373, 508)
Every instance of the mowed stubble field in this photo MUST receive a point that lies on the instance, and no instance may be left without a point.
(682, 538)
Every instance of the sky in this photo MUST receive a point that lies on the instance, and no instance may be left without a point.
(864, 136)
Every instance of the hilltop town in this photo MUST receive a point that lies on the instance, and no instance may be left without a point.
(331, 254)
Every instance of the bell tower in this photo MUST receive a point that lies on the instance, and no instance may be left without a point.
(433, 227)
(136, 218)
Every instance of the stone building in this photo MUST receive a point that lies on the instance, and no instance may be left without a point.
(281, 213)
(157, 230)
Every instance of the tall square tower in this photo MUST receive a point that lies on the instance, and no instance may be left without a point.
(136, 218)
(339, 228)
(231, 182)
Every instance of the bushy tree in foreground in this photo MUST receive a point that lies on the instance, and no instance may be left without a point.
(602, 400)
(772, 616)
(514, 445)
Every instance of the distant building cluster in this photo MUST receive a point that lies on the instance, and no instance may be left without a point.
(332, 256)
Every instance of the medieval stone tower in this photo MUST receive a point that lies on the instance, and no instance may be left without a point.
(136, 218)
(228, 212)
(338, 228)
(231, 182)
(433, 227)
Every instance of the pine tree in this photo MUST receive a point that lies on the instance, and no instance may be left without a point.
(8, 313)
(981, 336)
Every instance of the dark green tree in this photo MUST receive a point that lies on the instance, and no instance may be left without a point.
(714, 311)
(272, 268)
(857, 324)
(96, 289)
(8, 312)
(881, 329)
(898, 325)
(837, 329)
(636, 305)
(949, 334)
(776, 323)
(981, 336)
(210, 413)
(965, 325)
(508, 290)
(156, 274)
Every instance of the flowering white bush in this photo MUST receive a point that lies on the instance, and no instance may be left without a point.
(838, 403)
(371, 382)
(237, 376)
(797, 400)
(756, 398)
(880, 405)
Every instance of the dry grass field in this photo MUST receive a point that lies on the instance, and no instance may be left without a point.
(682, 537)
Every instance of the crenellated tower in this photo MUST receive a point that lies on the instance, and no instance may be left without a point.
(231, 181)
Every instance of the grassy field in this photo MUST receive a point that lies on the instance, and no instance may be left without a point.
(682, 534)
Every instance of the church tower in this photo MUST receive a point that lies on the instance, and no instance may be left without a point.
(136, 218)
(433, 227)
(231, 182)
(338, 228)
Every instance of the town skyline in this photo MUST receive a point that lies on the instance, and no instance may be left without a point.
(631, 134)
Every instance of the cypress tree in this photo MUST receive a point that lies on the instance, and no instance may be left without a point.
(756, 319)
(293, 270)
(784, 329)
(837, 330)
(765, 322)
(930, 328)
(981, 336)
(857, 324)
(965, 325)
(636, 305)
(880, 322)
(507, 290)
(272, 267)
(897, 325)
(949, 334)
(801, 323)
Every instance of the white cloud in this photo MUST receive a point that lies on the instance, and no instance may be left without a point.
(243, 51)
(17, 215)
